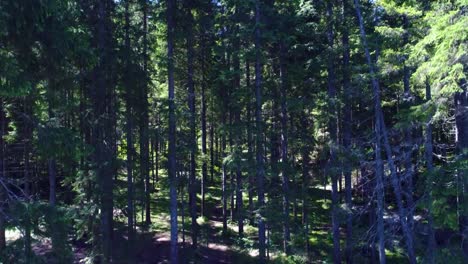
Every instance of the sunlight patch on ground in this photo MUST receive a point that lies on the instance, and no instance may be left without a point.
(253, 253)
(12, 235)
(217, 246)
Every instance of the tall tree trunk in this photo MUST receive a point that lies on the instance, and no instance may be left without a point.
(212, 151)
(332, 129)
(259, 132)
(380, 190)
(383, 130)
(171, 5)
(129, 132)
(249, 143)
(461, 120)
(51, 163)
(429, 149)
(104, 130)
(52, 167)
(224, 182)
(347, 121)
(231, 171)
(192, 124)
(144, 120)
(409, 172)
(284, 148)
(238, 130)
(3, 191)
(159, 147)
(305, 179)
(203, 130)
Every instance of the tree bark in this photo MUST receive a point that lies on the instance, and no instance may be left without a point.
(144, 120)
(238, 130)
(429, 149)
(3, 200)
(204, 131)
(51, 163)
(192, 124)
(461, 120)
(249, 143)
(409, 172)
(104, 130)
(129, 117)
(284, 148)
(305, 180)
(332, 129)
(347, 133)
(259, 133)
(171, 5)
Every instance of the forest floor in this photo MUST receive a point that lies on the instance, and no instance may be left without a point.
(152, 244)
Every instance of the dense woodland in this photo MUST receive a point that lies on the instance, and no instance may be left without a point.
(233, 131)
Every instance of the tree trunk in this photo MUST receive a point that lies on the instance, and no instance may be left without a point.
(259, 134)
(332, 129)
(192, 124)
(431, 243)
(144, 120)
(249, 143)
(231, 172)
(305, 180)
(104, 130)
(3, 195)
(212, 151)
(171, 5)
(129, 89)
(284, 149)
(204, 132)
(347, 121)
(409, 172)
(238, 130)
(51, 163)
(461, 120)
(383, 130)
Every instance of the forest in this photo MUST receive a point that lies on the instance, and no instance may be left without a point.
(233, 131)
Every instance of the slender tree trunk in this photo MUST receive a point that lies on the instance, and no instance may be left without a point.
(52, 167)
(129, 136)
(347, 121)
(332, 128)
(431, 243)
(144, 120)
(212, 151)
(461, 120)
(383, 130)
(409, 172)
(284, 149)
(51, 163)
(159, 148)
(238, 130)
(259, 134)
(104, 130)
(3, 195)
(380, 190)
(193, 136)
(171, 5)
(305, 180)
(232, 191)
(204, 132)
(224, 169)
(249, 144)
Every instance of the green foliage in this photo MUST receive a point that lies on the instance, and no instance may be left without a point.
(56, 141)
(441, 55)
